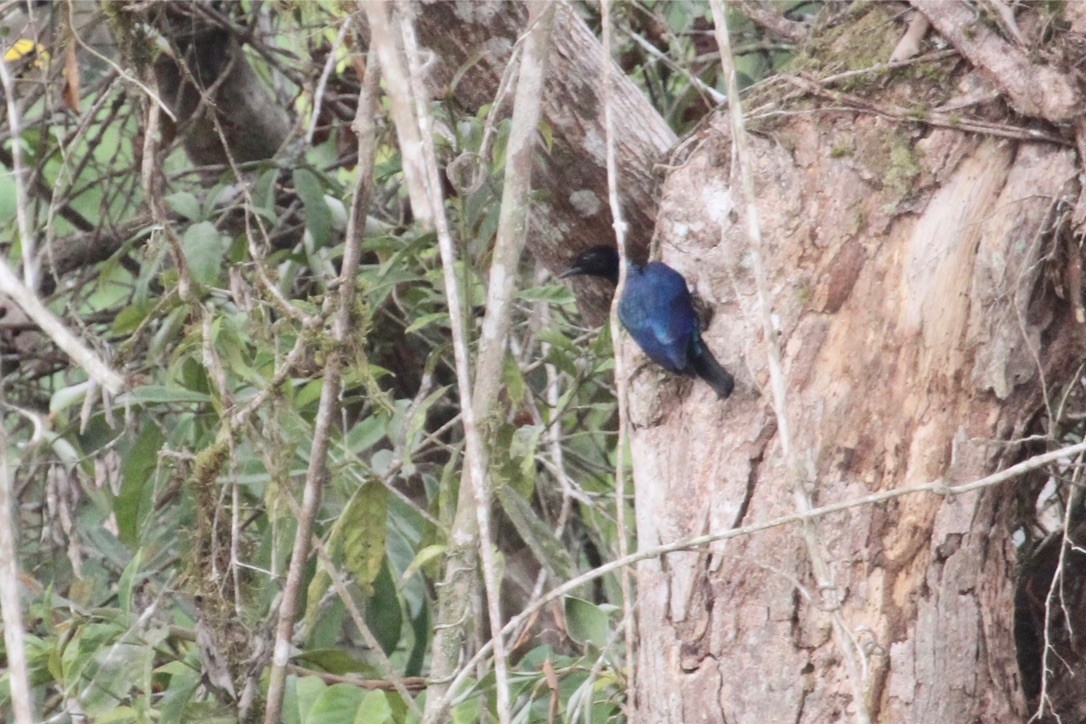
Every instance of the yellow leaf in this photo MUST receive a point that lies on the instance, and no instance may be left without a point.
(26, 49)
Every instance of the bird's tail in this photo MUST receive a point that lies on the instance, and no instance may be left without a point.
(707, 368)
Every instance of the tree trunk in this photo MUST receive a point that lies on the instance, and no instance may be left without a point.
(472, 45)
(918, 335)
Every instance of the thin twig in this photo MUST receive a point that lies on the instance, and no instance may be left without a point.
(151, 92)
(10, 607)
(18, 170)
(403, 115)
(346, 286)
(22, 292)
(763, 13)
(98, 370)
(616, 340)
(929, 117)
(411, 683)
(1055, 584)
(936, 487)
(715, 95)
(508, 247)
(322, 83)
(243, 186)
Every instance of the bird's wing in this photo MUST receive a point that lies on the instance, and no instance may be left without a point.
(680, 329)
(657, 310)
(671, 319)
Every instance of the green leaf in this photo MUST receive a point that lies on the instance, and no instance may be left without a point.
(514, 380)
(550, 293)
(361, 531)
(468, 712)
(127, 582)
(309, 690)
(159, 394)
(313, 594)
(587, 622)
(415, 428)
(185, 204)
(318, 217)
(367, 433)
(335, 661)
(204, 249)
(547, 549)
(264, 192)
(383, 613)
(420, 625)
(374, 708)
(426, 320)
(308, 394)
(133, 502)
(547, 132)
(169, 329)
(514, 458)
(421, 558)
(183, 684)
(130, 317)
(338, 703)
(358, 537)
(117, 714)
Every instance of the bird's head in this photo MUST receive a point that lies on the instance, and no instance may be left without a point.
(599, 261)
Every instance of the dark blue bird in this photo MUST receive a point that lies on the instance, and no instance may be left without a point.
(657, 310)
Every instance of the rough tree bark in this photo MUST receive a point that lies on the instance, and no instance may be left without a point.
(906, 267)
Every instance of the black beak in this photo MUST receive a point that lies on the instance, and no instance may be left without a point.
(571, 272)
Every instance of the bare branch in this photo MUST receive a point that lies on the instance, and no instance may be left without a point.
(1056, 584)
(1032, 88)
(96, 369)
(10, 605)
(620, 368)
(322, 83)
(909, 45)
(474, 481)
(395, 74)
(936, 487)
(26, 238)
(329, 401)
(411, 683)
(420, 168)
(508, 247)
(766, 15)
(471, 527)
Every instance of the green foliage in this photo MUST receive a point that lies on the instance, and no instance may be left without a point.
(172, 509)
(668, 48)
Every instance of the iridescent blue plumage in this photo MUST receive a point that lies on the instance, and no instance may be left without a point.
(657, 310)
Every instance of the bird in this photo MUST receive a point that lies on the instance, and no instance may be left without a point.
(657, 310)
